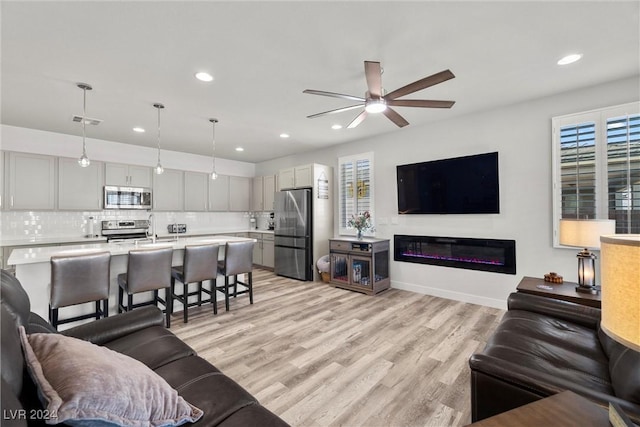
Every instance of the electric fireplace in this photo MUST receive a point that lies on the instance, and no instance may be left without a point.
(493, 255)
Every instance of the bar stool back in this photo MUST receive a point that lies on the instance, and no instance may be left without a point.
(200, 263)
(79, 279)
(238, 259)
(147, 270)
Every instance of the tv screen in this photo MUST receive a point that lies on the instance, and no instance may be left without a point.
(461, 185)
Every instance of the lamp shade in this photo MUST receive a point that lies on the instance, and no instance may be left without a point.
(585, 233)
(620, 258)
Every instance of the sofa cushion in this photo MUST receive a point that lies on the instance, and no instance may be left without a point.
(206, 387)
(14, 297)
(154, 346)
(82, 383)
(624, 368)
(551, 346)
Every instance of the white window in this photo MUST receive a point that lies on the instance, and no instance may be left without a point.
(596, 167)
(356, 188)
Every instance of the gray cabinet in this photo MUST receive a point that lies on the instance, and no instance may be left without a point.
(168, 191)
(269, 190)
(79, 188)
(127, 175)
(257, 248)
(239, 193)
(195, 191)
(268, 253)
(257, 194)
(298, 177)
(219, 194)
(31, 181)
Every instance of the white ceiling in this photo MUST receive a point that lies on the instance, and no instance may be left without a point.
(264, 54)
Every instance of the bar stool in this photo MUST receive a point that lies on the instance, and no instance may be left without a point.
(79, 279)
(200, 263)
(238, 259)
(147, 270)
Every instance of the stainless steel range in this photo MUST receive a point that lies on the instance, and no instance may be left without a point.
(128, 229)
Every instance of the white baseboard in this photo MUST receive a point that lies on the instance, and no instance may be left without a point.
(457, 296)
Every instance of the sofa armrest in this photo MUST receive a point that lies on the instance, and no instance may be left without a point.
(565, 310)
(38, 325)
(110, 328)
(543, 384)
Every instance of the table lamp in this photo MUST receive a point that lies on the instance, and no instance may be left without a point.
(585, 233)
(621, 288)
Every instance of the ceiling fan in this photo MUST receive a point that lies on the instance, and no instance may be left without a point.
(376, 101)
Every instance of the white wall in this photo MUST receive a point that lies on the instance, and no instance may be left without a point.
(57, 144)
(522, 135)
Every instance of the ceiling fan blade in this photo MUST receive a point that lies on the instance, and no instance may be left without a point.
(424, 103)
(374, 78)
(434, 79)
(333, 94)
(395, 117)
(359, 118)
(339, 110)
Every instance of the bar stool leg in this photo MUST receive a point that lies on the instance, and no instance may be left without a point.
(129, 302)
(168, 305)
(105, 307)
(120, 299)
(185, 304)
(199, 294)
(226, 293)
(214, 290)
(250, 284)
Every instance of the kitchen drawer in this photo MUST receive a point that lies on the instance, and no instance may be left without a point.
(267, 236)
(257, 236)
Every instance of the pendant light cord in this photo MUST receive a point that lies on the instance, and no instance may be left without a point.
(84, 120)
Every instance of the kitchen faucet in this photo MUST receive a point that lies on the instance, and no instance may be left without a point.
(152, 227)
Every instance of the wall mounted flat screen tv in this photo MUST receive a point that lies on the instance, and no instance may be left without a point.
(461, 185)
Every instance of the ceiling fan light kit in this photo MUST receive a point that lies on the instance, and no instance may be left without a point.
(376, 101)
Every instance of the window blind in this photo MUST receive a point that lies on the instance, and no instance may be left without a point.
(355, 188)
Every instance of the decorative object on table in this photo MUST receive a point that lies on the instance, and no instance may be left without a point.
(553, 278)
(621, 303)
(361, 222)
(585, 233)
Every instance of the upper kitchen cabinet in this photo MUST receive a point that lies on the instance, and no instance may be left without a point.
(219, 194)
(168, 191)
(3, 169)
(269, 189)
(127, 175)
(31, 181)
(298, 177)
(239, 193)
(257, 193)
(195, 191)
(79, 188)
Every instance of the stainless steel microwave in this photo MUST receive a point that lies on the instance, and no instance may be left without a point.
(127, 197)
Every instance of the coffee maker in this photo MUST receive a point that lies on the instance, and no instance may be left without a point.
(271, 223)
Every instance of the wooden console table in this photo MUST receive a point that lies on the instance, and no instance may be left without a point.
(565, 409)
(563, 291)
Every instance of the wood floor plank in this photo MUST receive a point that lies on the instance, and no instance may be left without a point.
(323, 356)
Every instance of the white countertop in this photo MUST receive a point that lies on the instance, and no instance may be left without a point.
(44, 254)
(48, 240)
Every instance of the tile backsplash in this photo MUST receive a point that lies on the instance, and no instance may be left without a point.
(60, 223)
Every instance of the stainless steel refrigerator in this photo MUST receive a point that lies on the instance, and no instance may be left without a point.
(293, 239)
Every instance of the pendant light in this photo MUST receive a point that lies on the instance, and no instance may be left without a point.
(214, 174)
(159, 169)
(84, 161)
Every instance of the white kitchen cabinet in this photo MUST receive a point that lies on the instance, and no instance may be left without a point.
(286, 179)
(269, 191)
(127, 175)
(219, 194)
(298, 177)
(257, 248)
(168, 190)
(239, 193)
(31, 182)
(2, 172)
(257, 194)
(267, 250)
(195, 191)
(79, 188)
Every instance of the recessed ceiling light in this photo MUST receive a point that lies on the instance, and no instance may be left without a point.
(239, 149)
(570, 59)
(204, 77)
(284, 135)
(336, 127)
(138, 129)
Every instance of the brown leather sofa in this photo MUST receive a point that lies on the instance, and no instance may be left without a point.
(139, 334)
(543, 346)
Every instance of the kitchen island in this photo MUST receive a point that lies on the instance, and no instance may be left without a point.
(33, 268)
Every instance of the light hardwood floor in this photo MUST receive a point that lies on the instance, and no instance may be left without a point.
(320, 356)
